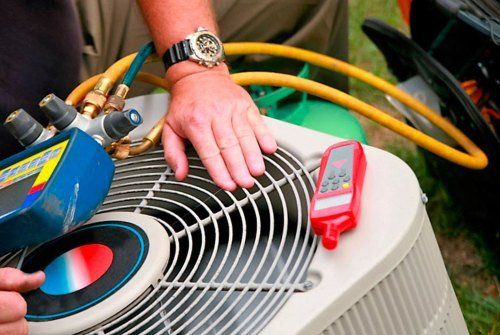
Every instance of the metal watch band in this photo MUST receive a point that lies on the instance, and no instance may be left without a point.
(177, 53)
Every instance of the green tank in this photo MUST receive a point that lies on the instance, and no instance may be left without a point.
(284, 104)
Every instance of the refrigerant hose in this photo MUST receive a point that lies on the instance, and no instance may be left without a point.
(474, 158)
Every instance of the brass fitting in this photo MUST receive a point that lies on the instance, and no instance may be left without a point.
(93, 103)
(122, 91)
(144, 146)
(121, 148)
(151, 139)
(103, 86)
(122, 151)
(94, 100)
(116, 102)
(51, 128)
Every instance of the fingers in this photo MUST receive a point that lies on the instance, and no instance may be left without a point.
(12, 307)
(231, 152)
(200, 134)
(16, 280)
(248, 143)
(175, 152)
(18, 327)
(228, 146)
(264, 137)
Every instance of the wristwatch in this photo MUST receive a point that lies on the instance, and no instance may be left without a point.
(201, 47)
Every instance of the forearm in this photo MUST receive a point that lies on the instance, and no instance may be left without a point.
(170, 21)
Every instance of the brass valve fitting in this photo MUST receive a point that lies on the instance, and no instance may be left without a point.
(94, 100)
(116, 102)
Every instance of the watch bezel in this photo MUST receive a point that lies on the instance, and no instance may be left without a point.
(198, 55)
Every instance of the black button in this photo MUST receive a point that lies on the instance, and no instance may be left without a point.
(347, 178)
(335, 186)
(324, 189)
(336, 180)
(325, 183)
(342, 172)
(331, 175)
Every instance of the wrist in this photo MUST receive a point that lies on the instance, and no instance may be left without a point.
(183, 69)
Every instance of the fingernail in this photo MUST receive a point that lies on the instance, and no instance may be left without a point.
(249, 184)
(245, 181)
(35, 274)
(230, 187)
(273, 142)
(258, 169)
(270, 144)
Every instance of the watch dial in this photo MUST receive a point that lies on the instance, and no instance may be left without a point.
(208, 45)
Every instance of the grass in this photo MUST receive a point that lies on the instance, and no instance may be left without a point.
(470, 264)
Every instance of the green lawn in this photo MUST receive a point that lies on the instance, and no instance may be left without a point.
(469, 262)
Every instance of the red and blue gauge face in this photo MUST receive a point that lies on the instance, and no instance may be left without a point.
(77, 269)
(83, 268)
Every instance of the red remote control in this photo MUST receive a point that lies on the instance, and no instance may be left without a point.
(335, 204)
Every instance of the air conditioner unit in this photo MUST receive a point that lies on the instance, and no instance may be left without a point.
(189, 258)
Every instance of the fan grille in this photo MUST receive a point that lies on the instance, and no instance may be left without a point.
(235, 257)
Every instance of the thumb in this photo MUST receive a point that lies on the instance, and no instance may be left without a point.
(15, 280)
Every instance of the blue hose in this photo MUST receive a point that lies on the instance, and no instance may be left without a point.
(136, 65)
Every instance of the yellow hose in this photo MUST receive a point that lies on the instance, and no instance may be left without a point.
(153, 80)
(116, 71)
(474, 159)
(79, 92)
(336, 65)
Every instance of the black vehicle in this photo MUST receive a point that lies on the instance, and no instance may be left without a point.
(455, 48)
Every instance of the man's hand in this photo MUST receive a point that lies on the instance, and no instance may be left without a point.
(12, 305)
(223, 124)
(207, 108)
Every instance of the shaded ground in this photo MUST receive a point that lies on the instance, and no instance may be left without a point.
(468, 260)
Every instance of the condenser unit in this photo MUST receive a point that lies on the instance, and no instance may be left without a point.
(189, 258)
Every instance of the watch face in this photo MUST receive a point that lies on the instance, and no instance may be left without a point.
(207, 48)
(208, 45)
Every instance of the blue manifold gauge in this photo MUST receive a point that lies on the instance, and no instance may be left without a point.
(51, 188)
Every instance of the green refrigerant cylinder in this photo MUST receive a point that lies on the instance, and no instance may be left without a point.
(318, 115)
(322, 116)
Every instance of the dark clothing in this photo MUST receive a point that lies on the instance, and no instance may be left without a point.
(40, 53)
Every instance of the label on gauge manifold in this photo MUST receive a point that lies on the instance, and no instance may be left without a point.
(22, 182)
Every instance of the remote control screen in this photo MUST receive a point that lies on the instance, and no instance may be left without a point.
(333, 201)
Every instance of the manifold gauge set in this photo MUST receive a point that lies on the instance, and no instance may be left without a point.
(127, 249)
(59, 181)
